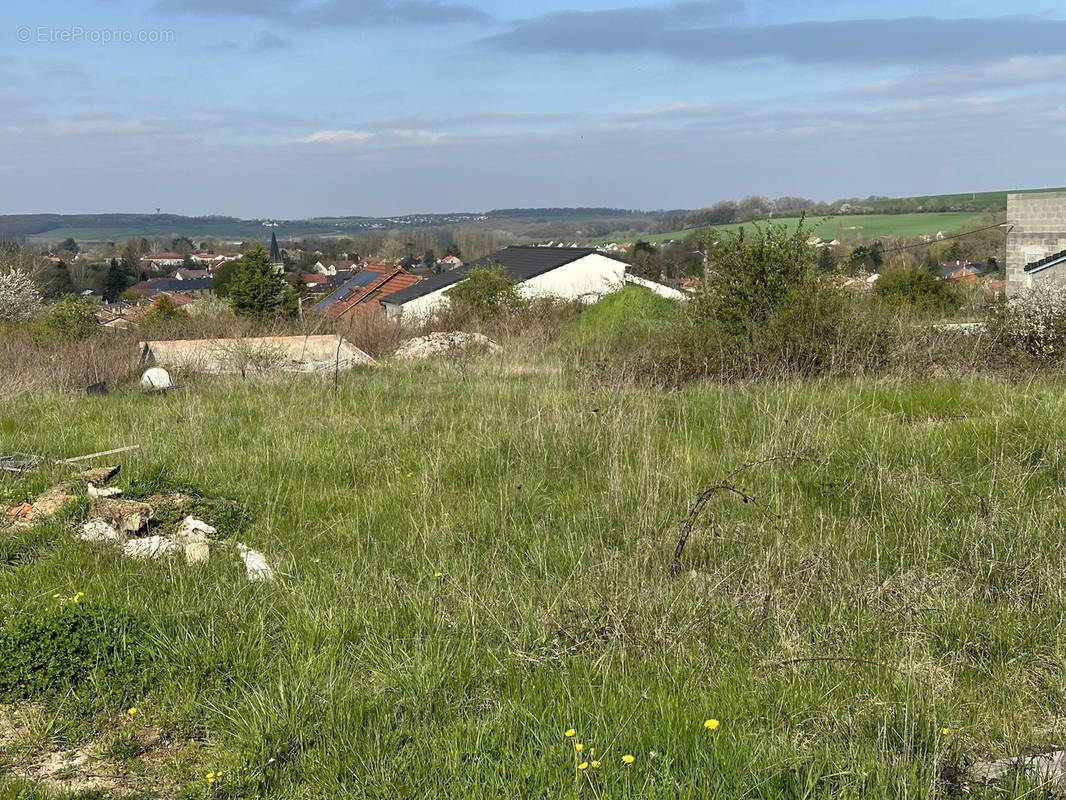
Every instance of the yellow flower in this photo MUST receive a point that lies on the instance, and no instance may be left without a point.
(583, 765)
(592, 751)
(55, 597)
(578, 746)
(78, 596)
(628, 759)
(438, 575)
(410, 474)
(132, 711)
(210, 776)
(595, 764)
(711, 724)
(570, 733)
(945, 731)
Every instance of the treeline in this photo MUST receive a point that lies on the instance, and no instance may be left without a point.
(578, 213)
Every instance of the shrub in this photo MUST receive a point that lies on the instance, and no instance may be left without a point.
(66, 645)
(917, 288)
(256, 289)
(163, 311)
(620, 322)
(486, 292)
(19, 297)
(1034, 323)
(69, 318)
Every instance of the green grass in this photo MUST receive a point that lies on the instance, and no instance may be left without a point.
(845, 228)
(971, 200)
(620, 321)
(918, 530)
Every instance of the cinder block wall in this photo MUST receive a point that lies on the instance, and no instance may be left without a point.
(1039, 221)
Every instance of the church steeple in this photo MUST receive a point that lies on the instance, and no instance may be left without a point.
(275, 251)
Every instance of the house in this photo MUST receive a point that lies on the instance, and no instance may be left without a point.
(569, 273)
(960, 271)
(155, 286)
(184, 274)
(332, 267)
(160, 260)
(450, 262)
(365, 290)
(1036, 241)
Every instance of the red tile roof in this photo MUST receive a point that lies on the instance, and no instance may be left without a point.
(365, 297)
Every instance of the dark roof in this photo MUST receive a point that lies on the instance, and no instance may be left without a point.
(358, 280)
(519, 264)
(1051, 260)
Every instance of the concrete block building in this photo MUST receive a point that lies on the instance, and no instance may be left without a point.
(1036, 244)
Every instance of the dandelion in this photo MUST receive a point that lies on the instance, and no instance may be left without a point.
(711, 724)
(410, 474)
(570, 734)
(55, 597)
(945, 731)
(628, 758)
(438, 575)
(595, 765)
(578, 746)
(583, 765)
(210, 777)
(592, 751)
(132, 710)
(78, 597)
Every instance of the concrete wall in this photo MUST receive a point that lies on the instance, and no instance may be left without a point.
(1039, 221)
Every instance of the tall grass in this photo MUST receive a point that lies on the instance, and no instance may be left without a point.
(471, 564)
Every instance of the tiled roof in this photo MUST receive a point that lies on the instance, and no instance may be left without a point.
(373, 286)
(519, 263)
(1044, 263)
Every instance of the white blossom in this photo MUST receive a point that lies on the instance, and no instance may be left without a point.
(19, 298)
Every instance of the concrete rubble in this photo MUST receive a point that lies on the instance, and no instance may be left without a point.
(1047, 768)
(441, 343)
(95, 492)
(255, 564)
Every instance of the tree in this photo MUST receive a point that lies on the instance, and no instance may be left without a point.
(918, 288)
(55, 279)
(19, 297)
(163, 310)
(486, 292)
(429, 258)
(827, 260)
(453, 250)
(182, 245)
(754, 274)
(70, 246)
(256, 288)
(116, 281)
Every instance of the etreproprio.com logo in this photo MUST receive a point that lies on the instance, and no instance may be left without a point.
(78, 33)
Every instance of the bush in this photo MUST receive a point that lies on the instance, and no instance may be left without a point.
(1034, 323)
(917, 288)
(69, 318)
(486, 293)
(162, 312)
(620, 322)
(19, 297)
(66, 645)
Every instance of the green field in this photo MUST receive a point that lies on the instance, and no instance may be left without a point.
(847, 227)
(474, 558)
(969, 200)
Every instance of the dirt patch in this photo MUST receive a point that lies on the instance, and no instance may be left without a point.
(84, 767)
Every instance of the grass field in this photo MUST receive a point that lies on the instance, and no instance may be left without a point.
(473, 559)
(845, 228)
(975, 200)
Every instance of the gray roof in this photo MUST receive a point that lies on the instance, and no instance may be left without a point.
(518, 263)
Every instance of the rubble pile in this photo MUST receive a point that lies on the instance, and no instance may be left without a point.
(440, 343)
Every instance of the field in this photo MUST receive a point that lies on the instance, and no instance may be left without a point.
(979, 201)
(846, 228)
(474, 558)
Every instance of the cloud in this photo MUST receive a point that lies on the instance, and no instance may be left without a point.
(841, 43)
(335, 13)
(267, 41)
(347, 136)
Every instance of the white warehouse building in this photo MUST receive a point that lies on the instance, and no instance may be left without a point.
(570, 273)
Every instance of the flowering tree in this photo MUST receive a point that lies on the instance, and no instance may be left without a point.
(19, 297)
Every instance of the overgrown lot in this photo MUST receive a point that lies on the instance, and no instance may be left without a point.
(470, 563)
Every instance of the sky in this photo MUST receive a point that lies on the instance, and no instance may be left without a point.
(298, 108)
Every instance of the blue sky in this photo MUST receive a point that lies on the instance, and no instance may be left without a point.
(293, 108)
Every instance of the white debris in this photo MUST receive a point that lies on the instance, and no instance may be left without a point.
(194, 530)
(440, 343)
(156, 378)
(1048, 768)
(109, 491)
(150, 547)
(96, 530)
(197, 552)
(255, 564)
